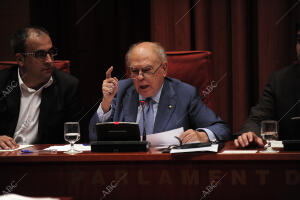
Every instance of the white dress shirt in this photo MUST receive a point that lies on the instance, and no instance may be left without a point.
(27, 128)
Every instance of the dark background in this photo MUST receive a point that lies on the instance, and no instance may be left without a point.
(248, 38)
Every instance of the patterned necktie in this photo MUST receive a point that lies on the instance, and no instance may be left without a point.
(149, 117)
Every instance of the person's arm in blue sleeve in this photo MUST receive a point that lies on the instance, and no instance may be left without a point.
(210, 134)
(207, 125)
(98, 117)
(109, 90)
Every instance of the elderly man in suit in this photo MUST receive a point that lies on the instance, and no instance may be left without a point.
(172, 103)
(279, 101)
(36, 99)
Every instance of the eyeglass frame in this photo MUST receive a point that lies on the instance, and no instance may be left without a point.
(143, 73)
(34, 54)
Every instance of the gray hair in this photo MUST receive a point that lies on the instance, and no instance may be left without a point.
(160, 51)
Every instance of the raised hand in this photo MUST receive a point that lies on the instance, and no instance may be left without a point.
(109, 89)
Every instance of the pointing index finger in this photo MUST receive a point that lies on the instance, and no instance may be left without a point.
(108, 72)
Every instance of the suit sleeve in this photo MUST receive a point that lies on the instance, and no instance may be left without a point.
(204, 118)
(98, 117)
(264, 110)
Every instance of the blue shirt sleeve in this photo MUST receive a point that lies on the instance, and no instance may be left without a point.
(102, 117)
(210, 134)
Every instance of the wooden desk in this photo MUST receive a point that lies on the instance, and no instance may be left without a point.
(153, 175)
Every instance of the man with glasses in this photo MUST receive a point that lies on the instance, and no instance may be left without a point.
(280, 101)
(41, 99)
(170, 103)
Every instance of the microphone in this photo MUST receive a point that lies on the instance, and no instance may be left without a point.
(142, 103)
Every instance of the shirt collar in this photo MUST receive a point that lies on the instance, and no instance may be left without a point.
(24, 87)
(155, 97)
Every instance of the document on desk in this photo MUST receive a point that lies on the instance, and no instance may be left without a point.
(79, 147)
(21, 197)
(238, 152)
(212, 148)
(166, 138)
(276, 144)
(21, 146)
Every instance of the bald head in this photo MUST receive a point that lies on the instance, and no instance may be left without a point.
(148, 65)
(143, 49)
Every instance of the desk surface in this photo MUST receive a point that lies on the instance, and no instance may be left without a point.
(152, 175)
(152, 155)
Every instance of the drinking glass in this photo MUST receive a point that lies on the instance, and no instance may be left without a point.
(269, 132)
(72, 135)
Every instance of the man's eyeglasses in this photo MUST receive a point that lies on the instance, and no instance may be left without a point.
(146, 71)
(42, 54)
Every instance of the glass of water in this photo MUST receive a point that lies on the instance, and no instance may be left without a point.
(269, 132)
(72, 135)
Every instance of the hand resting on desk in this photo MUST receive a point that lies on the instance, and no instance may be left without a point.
(193, 136)
(248, 138)
(7, 143)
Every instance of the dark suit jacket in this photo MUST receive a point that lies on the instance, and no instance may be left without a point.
(187, 109)
(279, 101)
(60, 102)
